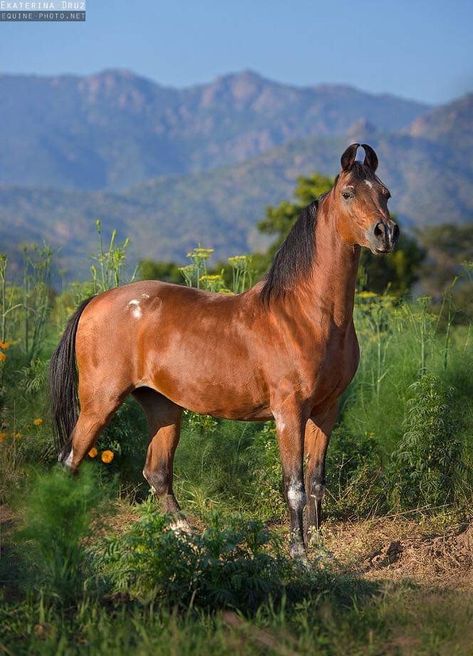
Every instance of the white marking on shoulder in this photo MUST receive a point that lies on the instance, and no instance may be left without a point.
(144, 295)
(369, 184)
(136, 311)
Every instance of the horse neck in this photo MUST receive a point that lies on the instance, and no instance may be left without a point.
(329, 289)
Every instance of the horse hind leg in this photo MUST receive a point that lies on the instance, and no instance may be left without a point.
(96, 410)
(164, 422)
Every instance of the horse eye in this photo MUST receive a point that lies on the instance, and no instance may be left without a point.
(347, 194)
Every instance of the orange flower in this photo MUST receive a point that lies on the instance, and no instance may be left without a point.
(3, 437)
(3, 357)
(38, 421)
(4, 345)
(93, 452)
(107, 456)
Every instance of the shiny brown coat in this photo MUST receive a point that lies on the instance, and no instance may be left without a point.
(285, 354)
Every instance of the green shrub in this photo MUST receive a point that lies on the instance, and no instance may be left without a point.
(428, 460)
(227, 566)
(56, 517)
(354, 474)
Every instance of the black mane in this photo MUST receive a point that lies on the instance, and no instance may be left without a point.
(295, 257)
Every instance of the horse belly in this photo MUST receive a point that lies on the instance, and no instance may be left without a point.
(211, 381)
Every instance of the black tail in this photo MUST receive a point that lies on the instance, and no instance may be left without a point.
(63, 384)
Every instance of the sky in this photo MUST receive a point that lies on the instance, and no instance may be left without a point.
(419, 49)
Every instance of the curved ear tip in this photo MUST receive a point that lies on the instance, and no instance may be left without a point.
(371, 158)
(349, 155)
(353, 146)
(367, 148)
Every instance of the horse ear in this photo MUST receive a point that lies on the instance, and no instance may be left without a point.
(348, 157)
(371, 159)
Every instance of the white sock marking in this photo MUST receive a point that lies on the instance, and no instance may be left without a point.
(68, 460)
(296, 496)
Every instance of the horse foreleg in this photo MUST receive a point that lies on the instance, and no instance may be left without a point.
(290, 432)
(317, 436)
(164, 422)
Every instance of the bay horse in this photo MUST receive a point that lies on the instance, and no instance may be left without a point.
(285, 349)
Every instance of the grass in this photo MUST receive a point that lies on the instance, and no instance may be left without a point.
(88, 565)
(328, 609)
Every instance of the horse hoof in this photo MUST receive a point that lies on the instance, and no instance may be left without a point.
(180, 525)
(297, 551)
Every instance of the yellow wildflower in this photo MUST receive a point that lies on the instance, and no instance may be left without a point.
(366, 294)
(38, 421)
(93, 452)
(238, 260)
(3, 357)
(16, 436)
(3, 437)
(199, 252)
(5, 345)
(217, 277)
(107, 456)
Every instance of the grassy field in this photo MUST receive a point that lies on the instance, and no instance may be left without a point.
(88, 565)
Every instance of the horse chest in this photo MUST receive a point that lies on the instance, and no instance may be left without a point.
(333, 367)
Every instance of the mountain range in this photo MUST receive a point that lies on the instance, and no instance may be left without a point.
(173, 167)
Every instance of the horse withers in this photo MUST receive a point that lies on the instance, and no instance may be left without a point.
(285, 349)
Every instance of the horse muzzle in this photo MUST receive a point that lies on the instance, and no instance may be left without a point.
(383, 237)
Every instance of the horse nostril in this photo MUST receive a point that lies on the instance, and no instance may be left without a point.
(395, 233)
(379, 230)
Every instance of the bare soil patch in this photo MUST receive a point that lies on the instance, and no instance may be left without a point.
(398, 548)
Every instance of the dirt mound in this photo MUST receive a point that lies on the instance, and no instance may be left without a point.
(394, 549)
(441, 555)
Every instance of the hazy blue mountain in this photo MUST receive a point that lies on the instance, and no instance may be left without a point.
(425, 163)
(450, 123)
(115, 129)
